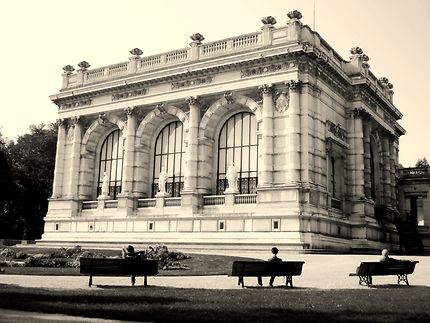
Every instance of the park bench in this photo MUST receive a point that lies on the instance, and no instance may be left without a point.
(288, 269)
(118, 267)
(401, 268)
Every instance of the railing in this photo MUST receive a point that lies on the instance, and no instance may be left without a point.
(177, 56)
(150, 61)
(214, 200)
(88, 205)
(246, 41)
(173, 201)
(118, 69)
(146, 203)
(212, 48)
(245, 199)
(96, 74)
(111, 204)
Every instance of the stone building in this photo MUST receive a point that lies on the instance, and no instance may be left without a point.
(312, 139)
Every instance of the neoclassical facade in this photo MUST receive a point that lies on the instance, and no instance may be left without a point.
(313, 139)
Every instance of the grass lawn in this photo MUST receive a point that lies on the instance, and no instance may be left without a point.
(161, 304)
(199, 264)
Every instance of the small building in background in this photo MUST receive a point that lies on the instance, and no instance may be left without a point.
(145, 147)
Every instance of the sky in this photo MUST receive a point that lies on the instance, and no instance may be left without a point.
(38, 38)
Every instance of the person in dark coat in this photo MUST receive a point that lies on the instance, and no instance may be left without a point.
(274, 258)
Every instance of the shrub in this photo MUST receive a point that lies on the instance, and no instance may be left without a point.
(21, 255)
(8, 253)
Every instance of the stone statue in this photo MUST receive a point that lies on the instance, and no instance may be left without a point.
(231, 177)
(105, 185)
(162, 181)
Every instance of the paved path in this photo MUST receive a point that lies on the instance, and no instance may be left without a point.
(319, 271)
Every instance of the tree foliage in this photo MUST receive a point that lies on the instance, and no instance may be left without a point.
(422, 163)
(27, 171)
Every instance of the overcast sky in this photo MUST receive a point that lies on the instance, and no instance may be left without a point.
(39, 37)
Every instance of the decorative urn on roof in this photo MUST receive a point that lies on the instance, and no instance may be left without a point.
(136, 52)
(84, 65)
(197, 38)
(68, 69)
(269, 21)
(295, 14)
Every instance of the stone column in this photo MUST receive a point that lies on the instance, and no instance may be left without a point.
(266, 168)
(190, 197)
(57, 187)
(393, 173)
(358, 154)
(75, 158)
(386, 169)
(304, 130)
(128, 163)
(191, 171)
(367, 166)
(293, 128)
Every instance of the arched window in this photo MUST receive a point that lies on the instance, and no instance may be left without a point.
(169, 154)
(111, 157)
(238, 143)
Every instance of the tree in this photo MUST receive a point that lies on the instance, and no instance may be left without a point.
(422, 163)
(32, 159)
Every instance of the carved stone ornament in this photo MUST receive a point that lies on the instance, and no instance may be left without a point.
(269, 21)
(197, 38)
(282, 101)
(102, 118)
(74, 120)
(336, 130)
(266, 88)
(356, 51)
(84, 65)
(295, 14)
(60, 122)
(383, 80)
(129, 111)
(160, 107)
(228, 96)
(294, 84)
(390, 85)
(68, 69)
(136, 51)
(364, 58)
(193, 82)
(191, 100)
(128, 94)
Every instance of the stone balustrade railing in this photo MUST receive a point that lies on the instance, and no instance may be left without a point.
(172, 201)
(245, 199)
(214, 200)
(146, 202)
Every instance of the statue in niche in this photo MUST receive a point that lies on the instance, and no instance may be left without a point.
(162, 181)
(105, 185)
(231, 177)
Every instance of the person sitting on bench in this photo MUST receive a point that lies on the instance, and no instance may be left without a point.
(128, 252)
(385, 256)
(274, 258)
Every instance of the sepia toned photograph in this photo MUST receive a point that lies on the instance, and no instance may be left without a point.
(213, 161)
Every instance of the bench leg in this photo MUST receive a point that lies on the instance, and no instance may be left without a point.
(240, 281)
(145, 281)
(260, 281)
(402, 277)
(90, 282)
(289, 280)
(133, 280)
(365, 279)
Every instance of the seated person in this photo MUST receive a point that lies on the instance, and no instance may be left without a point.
(385, 256)
(274, 258)
(128, 252)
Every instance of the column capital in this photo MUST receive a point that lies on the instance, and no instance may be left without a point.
(192, 100)
(266, 88)
(102, 118)
(60, 122)
(294, 84)
(74, 120)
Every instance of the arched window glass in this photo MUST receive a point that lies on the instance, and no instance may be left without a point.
(238, 143)
(111, 160)
(169, 154)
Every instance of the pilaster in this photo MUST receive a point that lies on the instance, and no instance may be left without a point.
(75, 158)
(266, 167)
(367, 166)
(386, 169)
(293, 128)
(57, 190)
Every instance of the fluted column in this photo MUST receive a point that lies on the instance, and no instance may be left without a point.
(130, 136)
(293, 128)
(367, 166)
(57, 187)
(266, 168)
(75, 158)
(386, 169)
(191, 171)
